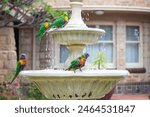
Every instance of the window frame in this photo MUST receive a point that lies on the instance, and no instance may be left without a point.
(97, 25)
(140, 43)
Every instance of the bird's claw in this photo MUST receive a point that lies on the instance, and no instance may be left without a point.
(80, 70)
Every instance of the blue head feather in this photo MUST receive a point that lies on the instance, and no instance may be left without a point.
(22, 56)
(86, 55)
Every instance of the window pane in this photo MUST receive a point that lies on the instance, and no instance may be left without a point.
(63, 53)
(94, 49)
(107, 49)
(132, 53)
(132, 33)
(108, 36)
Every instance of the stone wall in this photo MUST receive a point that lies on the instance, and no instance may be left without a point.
(26, 45)
(8, 58)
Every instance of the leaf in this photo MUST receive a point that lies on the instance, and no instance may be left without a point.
(101, 60)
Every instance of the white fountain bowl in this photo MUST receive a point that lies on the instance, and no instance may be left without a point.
(79, 36)
(88, 84)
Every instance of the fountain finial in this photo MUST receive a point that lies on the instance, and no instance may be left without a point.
(76, 19)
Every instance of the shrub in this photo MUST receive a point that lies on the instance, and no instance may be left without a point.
(20, 90)
(33, 93)
(101, 60)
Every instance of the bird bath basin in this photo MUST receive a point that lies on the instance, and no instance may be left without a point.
(88, 84)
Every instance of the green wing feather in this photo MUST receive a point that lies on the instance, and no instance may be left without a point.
(58, 23)
(41, 32)
(74, 64)
(18, 69)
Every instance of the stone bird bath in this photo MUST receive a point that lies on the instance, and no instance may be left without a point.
(88, 84)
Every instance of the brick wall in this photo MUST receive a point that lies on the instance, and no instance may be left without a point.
(140, 3)
(8, 56)
(133, 88)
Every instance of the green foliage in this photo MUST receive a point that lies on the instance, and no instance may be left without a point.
(18, 89)
(5, 6)
(8, 92)
(149, 96)
(48, 8)
(54, 13)
(15, 91)
(33, 93)
(101, 60)
(2, 97)
(38, 13)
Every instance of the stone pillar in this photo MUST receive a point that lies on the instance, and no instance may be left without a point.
(8, 58)
(26, 45)
(46, 53)
(146, 48)
(120, 39)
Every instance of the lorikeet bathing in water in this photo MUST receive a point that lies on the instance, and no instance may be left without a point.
(59, 22)
(78, 63)
(20, 66)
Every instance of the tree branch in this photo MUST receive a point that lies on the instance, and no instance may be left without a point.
(22, 11)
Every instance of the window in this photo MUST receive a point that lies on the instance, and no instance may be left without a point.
(132, 41)
(63, 53)
(105, 44)
(133, 50)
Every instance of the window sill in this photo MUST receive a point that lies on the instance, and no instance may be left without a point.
(136, 70)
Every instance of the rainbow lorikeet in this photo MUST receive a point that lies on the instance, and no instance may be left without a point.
(59, 22)
(20, 66)
(42, 30)
(78, 63)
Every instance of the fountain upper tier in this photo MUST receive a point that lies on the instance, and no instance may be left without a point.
(71, 36)
(76, 31)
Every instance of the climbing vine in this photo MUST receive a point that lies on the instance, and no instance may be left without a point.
(29, 13)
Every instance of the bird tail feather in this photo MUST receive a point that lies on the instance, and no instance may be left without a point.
(13, 79)
(68, 69)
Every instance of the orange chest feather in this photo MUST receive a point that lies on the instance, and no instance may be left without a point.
(46, 25)
(23, 62)
(82, 61)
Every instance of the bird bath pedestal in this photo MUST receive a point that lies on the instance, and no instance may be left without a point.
(88, 84)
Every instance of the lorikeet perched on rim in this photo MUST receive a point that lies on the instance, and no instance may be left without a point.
(59, 22)
(20, 66)
(78, 63)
